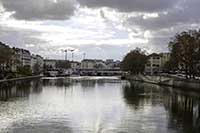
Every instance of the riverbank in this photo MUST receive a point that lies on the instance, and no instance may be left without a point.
(20, 78)
(167, 81)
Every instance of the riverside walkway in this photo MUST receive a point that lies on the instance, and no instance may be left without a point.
(20, 78)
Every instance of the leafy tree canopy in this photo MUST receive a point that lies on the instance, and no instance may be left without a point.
(134, 61)
(185, 50)
(6, 53)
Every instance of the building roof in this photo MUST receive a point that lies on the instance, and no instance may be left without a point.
(154, 55)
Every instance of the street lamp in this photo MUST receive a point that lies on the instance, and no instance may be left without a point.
(72, 50)
(84, 54)
(66, 54)
(65, 51)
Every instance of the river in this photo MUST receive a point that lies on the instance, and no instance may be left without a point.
(96, 105)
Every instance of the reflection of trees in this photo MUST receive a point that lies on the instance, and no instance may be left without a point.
(88, 83)
(132, 95)
(5, 91)
(14, 89)
(37, 86)
(138, 94)
(183, 107)
(57, 82)
(184, 111)
(101, 82)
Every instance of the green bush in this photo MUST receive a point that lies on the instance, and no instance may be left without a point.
(24, 71)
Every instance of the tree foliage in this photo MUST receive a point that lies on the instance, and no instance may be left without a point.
(185, 51)
(36, 68)
(6, 54)
(134, 61)
(24, 70)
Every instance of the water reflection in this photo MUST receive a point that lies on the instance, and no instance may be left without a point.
(184, 111)
(183, 107)
(47, 126)
(107, 105)
(10, 90)
(59, 82)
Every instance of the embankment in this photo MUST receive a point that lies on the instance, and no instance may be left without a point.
(167, 81)
(20, 78)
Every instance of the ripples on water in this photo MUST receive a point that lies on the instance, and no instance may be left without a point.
(96, 105)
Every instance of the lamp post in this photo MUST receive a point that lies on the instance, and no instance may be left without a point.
(66, 54)
(84, 54)
(72, 50)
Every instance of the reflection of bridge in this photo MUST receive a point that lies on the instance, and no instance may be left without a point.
(100, 72)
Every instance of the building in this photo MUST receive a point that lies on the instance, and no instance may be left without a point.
(100, 67)
(23, 56)
(50, 64)
(37, 60)
(40, 61)
(165, 57)
(88, 64)
(33, 62)
(75, 66)
(156, 63)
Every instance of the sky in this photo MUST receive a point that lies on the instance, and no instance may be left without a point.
(101, 29)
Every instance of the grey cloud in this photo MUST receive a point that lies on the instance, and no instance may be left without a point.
(15, 37)
(183, 16)
(186, 14)
(131, 5)
(40, 9)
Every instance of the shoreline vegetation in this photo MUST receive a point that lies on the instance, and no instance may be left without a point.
(183, 61)
(165, 80)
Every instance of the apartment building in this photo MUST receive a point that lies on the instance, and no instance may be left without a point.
(156, 62)
(23, 56)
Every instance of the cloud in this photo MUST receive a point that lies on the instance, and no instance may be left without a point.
(131, 5)
(185, 14)
(100, 28)
(40, 9)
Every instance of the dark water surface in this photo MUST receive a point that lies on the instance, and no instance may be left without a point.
(96, 105)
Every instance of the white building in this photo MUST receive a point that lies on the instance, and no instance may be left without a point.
(87, 64)
(37, 60)
(156, 62)
(100, 64)
(111, 64)
(99, 67)
(23, 56)
(33, 62)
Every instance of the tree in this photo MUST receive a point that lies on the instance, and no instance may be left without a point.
(6, 54)
(134, 61)
(36, 68)
(24, 70)
(170, 65)
(185, 51)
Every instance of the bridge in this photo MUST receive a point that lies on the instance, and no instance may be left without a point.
(100, 72)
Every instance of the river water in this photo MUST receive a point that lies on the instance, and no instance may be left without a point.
(96, 105)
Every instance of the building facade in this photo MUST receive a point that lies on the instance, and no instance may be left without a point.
(23, 57)
(37, 61)
(87, 64)
(50, 64)
(156, 63)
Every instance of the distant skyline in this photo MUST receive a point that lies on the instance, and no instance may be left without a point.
(100, 28)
